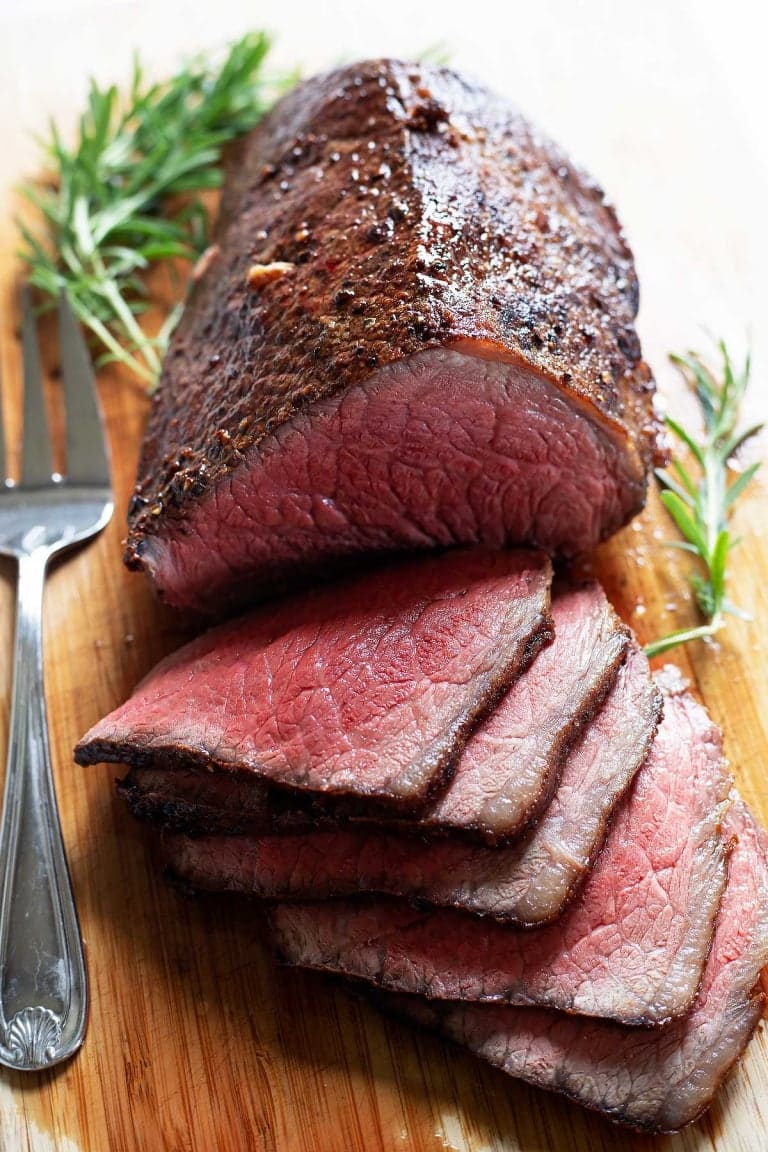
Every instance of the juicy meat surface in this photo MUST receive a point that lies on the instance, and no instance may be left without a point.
(528, 882)
(370, 687)
(658, 1081)
(555, 858)
(502, 781)
(632, 945)
(512, 763)
(416, 329)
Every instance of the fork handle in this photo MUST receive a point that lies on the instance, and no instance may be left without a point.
(43, 992)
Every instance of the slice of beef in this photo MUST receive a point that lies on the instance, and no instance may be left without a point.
(416, 330)
(511, 765)
(632, 945)
(369, 687)
(528, 882)
(657, 1081)
(555, 858)
(197, 803)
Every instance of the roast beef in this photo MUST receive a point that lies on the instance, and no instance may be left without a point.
(196, 803)
(660, 1080)
(511, 765)
(503, 780)
(416, 329)
(528, 882)
(631, 946)
(369, 687)
(199, 803)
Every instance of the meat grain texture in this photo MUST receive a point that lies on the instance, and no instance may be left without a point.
(632, 945)
(513, 761)
(658, 1080)
(528, 882)
(370, 687)
(445, 355)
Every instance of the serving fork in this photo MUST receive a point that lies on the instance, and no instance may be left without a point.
(43, 989)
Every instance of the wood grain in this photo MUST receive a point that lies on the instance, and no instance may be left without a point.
(196, 1040)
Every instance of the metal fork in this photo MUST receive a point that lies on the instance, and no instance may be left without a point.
(43, 990)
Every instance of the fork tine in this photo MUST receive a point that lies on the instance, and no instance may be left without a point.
(87, 460)
(36, 466)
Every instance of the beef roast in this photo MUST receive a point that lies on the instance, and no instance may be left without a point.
(631, 946)
(528, 882)
(660, 1080)
(369, 687)
(416, 329)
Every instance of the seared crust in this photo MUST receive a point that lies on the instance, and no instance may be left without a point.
(407, 208)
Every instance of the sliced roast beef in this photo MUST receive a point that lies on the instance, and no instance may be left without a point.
(508, 771)
(196, 803)
(369, 687)
(631, 946)
(660, 1080)
(511, 766)
(555, 858)
(416, 329)
(528, 882)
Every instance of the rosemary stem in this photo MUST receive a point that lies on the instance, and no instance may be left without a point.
(713, 498)
(131, 327)
(129, 191)
(682, 636)
(116, 348)
(702, 505)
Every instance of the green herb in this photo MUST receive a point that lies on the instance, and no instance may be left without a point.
(439, 54)
(701, 504)
(127, 193)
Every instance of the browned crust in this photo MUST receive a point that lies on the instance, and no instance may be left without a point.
(188, 817)
(418, 210)
(597, 847)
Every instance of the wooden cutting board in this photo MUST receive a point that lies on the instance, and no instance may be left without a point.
(196, 1040)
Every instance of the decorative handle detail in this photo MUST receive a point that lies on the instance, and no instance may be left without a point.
(33, 1036)
(43, 994)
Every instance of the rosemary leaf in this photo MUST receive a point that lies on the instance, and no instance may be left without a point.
(701, 506)
(126, 194)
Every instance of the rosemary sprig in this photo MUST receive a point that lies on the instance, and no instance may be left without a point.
(127, 193)
(701, 507)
